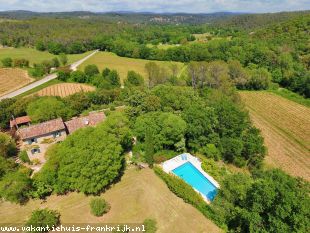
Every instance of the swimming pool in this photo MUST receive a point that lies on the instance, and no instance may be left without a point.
(191, 175)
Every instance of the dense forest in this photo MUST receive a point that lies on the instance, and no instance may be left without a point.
(164, 114)
(281, 47)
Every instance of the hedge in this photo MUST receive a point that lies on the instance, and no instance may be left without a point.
(189, 195)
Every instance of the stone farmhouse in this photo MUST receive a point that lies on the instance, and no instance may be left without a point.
(35, 139)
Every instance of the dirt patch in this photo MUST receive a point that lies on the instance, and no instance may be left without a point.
(12, 79)
(285, 126)
(64, 89)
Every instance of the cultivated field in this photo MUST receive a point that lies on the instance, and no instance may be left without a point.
(122, 64)
(64, 89)
(12, 79)
(35, 56)
(285, 126)
(139, 195)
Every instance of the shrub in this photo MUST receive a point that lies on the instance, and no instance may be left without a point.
(150, 225)
(15, 186)
(211, 151)
(134, 79)
(40, 219)
(7, 145)
(21, 63)
(23, 156)
(99, 206)
(63, 59)
(91, 70)
(163, 155)
(7, 62)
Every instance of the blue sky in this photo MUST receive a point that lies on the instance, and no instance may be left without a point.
(190, 6)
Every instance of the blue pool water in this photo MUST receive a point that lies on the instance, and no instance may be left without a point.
(191, 175)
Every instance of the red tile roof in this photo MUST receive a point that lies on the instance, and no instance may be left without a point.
(41, 129)
(91, 120)
(19, 120)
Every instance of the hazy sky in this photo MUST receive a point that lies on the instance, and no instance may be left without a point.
(190, 6)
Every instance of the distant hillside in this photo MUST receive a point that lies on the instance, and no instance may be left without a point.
(254, 21)
(131, 17)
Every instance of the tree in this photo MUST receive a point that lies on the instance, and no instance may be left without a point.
(63, 75)
(105, 72)
(15, 187)
(260, 79)
(238, 74)
(63, 59)
(113, 79)
(153, 73)
(275, 202)
(78, 76)
(134, 79)
(6, 166)
(149, 148)
(38, 70)
(232, 148)
(95, 164)
(167, 129)
(99, 206)
(78, 102)
(253, 146)
(55, 62)
(47, 66)
(7, 62)
(48, 108)
(91, 70)
(43, 220)
(7, 145)
(202, 124)
(40, 46)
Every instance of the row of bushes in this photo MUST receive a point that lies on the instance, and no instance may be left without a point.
(9, 62)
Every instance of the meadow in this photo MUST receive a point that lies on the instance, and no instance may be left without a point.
(285, 126)
(35, 56)
(123, 64)
(12, 79)
(139, 195)
(64, 89)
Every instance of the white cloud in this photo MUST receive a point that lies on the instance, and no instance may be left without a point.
(192, 6)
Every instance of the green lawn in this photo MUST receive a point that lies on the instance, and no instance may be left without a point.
(35, 56)
(123, 64)
(139, 195)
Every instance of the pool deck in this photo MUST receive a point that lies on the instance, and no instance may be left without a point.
(171, 164)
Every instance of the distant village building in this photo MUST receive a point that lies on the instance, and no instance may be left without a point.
(37, 138)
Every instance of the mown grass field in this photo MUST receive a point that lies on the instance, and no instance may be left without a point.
(35, 56)
(12, 79)
(285, 126)
(64, 89)
(139, 195)
(123, 64)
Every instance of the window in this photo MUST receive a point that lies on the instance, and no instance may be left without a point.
(32, 140)
(35, 151)
(57, 134)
